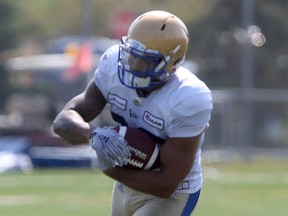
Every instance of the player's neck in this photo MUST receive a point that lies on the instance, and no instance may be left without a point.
(147, 92)
(142, 93)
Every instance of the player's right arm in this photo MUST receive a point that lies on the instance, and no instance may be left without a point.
(72, 123)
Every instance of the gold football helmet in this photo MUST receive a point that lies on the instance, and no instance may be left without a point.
(153, 49)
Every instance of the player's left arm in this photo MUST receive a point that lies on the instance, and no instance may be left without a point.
(177, 158)
(73, 122)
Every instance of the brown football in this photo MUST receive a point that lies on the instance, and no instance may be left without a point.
(145, 151)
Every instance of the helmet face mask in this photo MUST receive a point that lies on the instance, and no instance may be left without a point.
(139, 67)
(154, 48)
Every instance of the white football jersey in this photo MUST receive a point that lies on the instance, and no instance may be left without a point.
(181, 108)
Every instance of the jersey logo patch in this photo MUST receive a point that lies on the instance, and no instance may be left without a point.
(133, 114)
(184, 185)
(153, 121)
(117, 101)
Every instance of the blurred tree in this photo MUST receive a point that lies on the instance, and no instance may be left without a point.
(215, 31)
(8, 32)
(272, 58)
(8, 38)
(54, 18)
(213, 44)
(217, 43)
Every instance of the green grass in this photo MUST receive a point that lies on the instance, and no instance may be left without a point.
(237, 189)
(251, 189)
(55, 192)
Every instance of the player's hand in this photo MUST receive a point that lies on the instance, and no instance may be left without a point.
(103, 163)
(110, 146)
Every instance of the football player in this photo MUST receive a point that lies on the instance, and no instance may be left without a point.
(146, 87)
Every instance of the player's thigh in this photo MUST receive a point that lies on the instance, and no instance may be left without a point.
(118, 201)
(179, 205)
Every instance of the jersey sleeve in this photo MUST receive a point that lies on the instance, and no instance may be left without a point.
(106, 73)
(190, 116)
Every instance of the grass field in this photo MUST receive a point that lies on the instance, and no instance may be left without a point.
(251, 189)
(258, 189)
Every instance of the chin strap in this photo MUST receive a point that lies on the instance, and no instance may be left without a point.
(167, 58)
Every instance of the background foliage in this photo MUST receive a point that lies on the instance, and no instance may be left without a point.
(213, 27)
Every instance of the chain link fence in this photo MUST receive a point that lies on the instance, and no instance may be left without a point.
(249, 122)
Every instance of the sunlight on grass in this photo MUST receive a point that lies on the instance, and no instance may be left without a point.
(234, 189)
(55, 192)
(244, 189)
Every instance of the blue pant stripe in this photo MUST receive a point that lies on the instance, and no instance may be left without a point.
(191, 203)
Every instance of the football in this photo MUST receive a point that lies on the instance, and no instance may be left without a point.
(145, 151)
